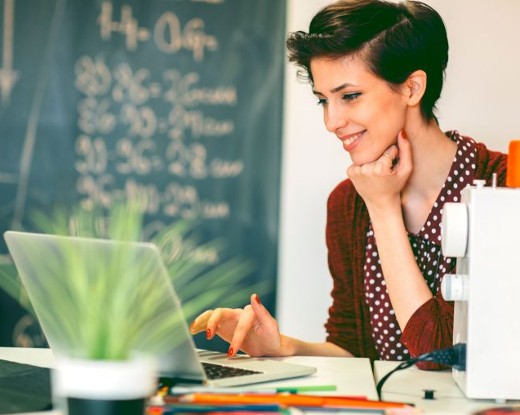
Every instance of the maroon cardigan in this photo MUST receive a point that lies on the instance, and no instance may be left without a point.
(348, 325)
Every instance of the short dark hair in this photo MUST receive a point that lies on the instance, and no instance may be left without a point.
(393, 39)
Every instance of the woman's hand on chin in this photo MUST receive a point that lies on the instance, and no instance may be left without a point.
(380, 182)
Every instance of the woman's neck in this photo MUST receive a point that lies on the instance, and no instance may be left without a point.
(432, 154)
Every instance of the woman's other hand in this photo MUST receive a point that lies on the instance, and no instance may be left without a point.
(251, 329)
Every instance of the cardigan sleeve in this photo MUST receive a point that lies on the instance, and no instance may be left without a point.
(348, 322)
(429, 328)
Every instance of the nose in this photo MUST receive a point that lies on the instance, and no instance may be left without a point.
(334, 118)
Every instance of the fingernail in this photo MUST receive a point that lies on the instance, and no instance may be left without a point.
(404, 135)
(257, 299)
(230, 352)
(208, 334)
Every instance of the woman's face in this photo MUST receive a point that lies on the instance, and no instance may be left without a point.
(359, 107)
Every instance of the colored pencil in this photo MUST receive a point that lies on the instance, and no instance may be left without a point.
(295, 400)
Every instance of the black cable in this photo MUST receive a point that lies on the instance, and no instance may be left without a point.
(454, 356)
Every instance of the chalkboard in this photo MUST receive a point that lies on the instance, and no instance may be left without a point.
(179, 99)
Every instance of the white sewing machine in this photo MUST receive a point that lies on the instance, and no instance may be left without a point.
(483, 232)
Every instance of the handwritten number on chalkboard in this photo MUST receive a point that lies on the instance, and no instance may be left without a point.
(169, 35)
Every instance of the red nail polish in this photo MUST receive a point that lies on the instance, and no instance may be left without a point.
(257, 299)
(404, 135)
(208, 334)
(230, 352)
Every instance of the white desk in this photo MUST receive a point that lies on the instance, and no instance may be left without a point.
(408, 385)
(351, 376)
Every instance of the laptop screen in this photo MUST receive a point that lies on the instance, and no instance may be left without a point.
(69, 280)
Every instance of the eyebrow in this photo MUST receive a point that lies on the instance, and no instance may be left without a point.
(334, 90)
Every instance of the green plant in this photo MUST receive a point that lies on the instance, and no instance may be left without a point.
(95, 287)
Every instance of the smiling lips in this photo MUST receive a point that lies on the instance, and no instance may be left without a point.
(349, 140)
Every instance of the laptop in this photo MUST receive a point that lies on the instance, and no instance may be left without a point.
(46, 271)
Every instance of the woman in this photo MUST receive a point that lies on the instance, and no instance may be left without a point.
(377, 70)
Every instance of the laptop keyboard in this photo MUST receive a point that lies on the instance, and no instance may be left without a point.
(214, 371)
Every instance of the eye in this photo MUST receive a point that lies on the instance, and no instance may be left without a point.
(351, 97)
(322, 101)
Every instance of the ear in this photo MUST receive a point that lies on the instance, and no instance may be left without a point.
(415, 86)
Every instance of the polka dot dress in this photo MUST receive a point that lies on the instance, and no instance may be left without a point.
(426, 245)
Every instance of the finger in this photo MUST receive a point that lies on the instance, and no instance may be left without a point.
(390, 154)
(405, 149)
(200, 322)
(218, 315)
(388, 160)
(244, 325)
(262, 314)
(353, 171)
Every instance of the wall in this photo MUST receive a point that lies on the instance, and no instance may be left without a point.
(479, 99)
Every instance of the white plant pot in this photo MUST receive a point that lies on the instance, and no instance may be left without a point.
(103, 387)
